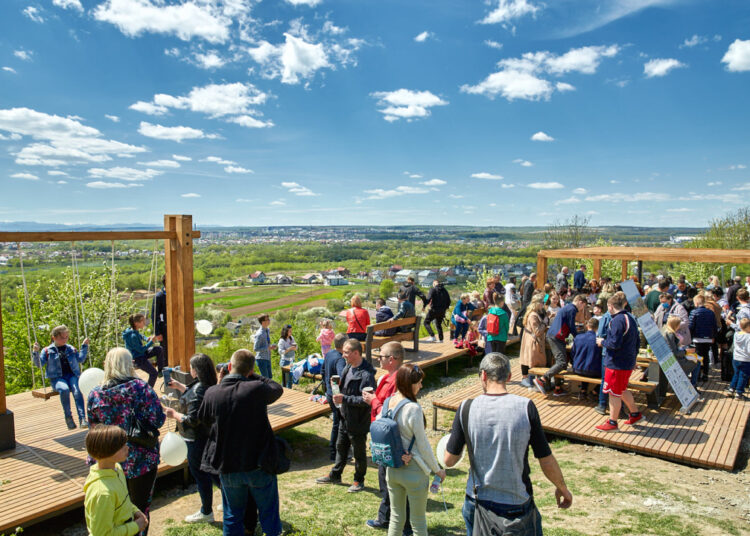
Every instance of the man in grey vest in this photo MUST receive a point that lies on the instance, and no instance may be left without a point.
(501, 428)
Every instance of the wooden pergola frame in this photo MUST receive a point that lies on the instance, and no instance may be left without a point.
(178, 236)
(639, 254)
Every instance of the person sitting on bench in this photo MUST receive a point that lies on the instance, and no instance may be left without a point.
(405, 310)
(586, 355)
(383, 313)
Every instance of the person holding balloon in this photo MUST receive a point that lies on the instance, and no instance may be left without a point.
(122, 399)
(195, 432)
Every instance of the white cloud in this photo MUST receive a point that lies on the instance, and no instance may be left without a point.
(278, 203)
(60, 140)
(522, 162)
(580, 191)
(218, 160)
(209, 60)
(614, 181)
(507, 185)
(508, 10)
(310, 3)
(413, 175)
(545, 185)
(243, 200)
(34, 14)
(542, 136)
(487, 176)
(190, 195)
(714, 183)
(568, 201)
(454, 196)
(683, 209)
(298, 189)
(693, 41)
(173, 52)
(661, 67)
(26, 176)
(737, 56)
(161, 163)
(424, 36)
(521, 78)
(380, 193)
(181, 158)
(434, 182)
(102, 185)
(629, 197)
(493, 44)
(237, 169)
(124, 173)
(112, 118)
(148, 108)
(742, 188)
(61, 182)
(57, 173)
(735, 167)
(406, 104)
(9, 69)
(68, 4)
(25, 55)
(186, 20)
(177, 134)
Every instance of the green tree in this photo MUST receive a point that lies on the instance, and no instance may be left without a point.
(387, 288)
(731, 231)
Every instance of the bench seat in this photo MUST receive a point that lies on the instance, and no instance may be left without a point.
(637, 381)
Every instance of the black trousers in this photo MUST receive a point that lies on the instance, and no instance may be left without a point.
(384, 511)
(334, 427)
(560, 353)
(358, 444)
(702, 348)
(145, 365)
(438, 317)
(497, 346)
(141, 491)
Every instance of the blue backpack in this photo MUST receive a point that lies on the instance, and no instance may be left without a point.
(385, 440)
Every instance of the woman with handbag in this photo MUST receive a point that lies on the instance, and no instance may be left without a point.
(195, 433)
(533, 353)
(128, 402)
(357, 320)
(411, 480)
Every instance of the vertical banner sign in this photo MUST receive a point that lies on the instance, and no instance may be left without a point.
(667, 361)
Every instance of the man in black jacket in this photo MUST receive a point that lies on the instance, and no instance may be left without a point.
(355, 412)
(439, 301)
(237, 410)
(159, 317)
(412, 292)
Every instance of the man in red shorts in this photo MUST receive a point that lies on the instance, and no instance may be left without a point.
(622, 344)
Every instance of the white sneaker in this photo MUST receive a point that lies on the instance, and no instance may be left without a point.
(200, 517)
(433, 339)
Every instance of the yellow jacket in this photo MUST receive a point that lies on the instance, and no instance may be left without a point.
(109, 511)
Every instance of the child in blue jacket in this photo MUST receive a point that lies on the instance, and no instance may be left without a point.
(63, 369)
(142, 348)
(586, 355)
(461, 318)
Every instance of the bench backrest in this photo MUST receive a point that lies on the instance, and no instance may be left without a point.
(390, 324)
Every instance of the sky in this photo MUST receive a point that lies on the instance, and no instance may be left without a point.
(374, 112)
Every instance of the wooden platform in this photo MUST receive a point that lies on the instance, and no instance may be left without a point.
(709, 437)
(44, 475)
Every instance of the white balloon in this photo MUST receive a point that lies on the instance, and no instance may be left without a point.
(90, 378)
(204, 327)
(440, 451)
(173, 449)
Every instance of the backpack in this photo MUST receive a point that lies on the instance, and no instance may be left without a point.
(442, 299)
(385, 440)
(493, 324)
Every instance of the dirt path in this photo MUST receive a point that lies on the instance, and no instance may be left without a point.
(280, 303)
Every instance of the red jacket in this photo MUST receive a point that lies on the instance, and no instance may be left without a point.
(357, 320)
(386, 388)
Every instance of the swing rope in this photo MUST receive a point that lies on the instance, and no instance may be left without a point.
(29, 316)
(152, 276)
(113, 297)
(78, 301)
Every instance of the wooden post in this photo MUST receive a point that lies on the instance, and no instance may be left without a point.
(179, 264)
(624, 270)
(3, 406)
(640, 272)
(597, 269)
(541, 271)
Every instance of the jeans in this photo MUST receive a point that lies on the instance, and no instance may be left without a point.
(741, 376)
(438, 317)
(461, 329)
(468, 513)
(287, 363)
(560, 353)
(335, 428)
(141, 491)
(64, 386)
(204, 480)
(264, 367)
(407, 489)
(264, 488)
(695, 375)
(603, 397)
(145, 365)
(358, 444)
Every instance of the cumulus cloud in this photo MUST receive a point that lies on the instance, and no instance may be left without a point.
(545, 185)
(522, 162)
(737, 57)
(68, 4)
(278, 203)
(233, 102)
(310, 3)
(26, 176)
(56, 173)
(34, 14)
(181, 158)
(406, 104)
(209, 60)
(190, 195)
(22, 54)
(661, 67)
(380, 193)
(735, 167)
(493, 44)
(507, 185)
(103, 185)
(508, 10)
(9, 70)
(580, 191)
(124, 173)
(218, 160)
(59, 140)
(298, 189)
(523, 78)
(161, 163)
(434, 182)
(715, 183)
(629, 197)
(742, 188)
(568, 201)
(487, 176)
(542, 136)
(693, 41)
(422, 37)
(112, 118)
(177, 134)
(237, 169)
(186, 20)
(243, 200)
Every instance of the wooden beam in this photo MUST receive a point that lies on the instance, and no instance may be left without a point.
(81, 236)
(717, 256)
(624, 270)
(597, 269)
(180, 307)
(541, 270)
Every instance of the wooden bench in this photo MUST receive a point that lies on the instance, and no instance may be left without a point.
(376, 341)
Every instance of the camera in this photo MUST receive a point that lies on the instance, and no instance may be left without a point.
(167, 371)
(222, 367)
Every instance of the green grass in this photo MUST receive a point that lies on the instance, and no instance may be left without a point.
(627, 522)
(243, 297)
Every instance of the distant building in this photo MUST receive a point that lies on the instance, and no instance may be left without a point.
(209, 290)
(258, 277)
(401, 275)
(426, 277)
(376, 276)
(311, 279)
(334, 281)
(282, 279)
(343, 272)
(233, 327)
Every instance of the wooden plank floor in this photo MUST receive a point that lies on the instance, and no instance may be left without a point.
(45, 473)
(709, 437)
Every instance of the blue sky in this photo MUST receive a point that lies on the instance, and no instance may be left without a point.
(387, 112)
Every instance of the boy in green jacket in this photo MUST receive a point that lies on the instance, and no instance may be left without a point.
(109, 511)
(496, 314)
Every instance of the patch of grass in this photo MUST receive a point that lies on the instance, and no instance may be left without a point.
(553, 531)
(627, 522)
(726, 525)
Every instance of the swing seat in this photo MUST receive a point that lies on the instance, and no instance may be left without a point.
(45, 394)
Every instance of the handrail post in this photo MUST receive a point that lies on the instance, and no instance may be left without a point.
(180, 308)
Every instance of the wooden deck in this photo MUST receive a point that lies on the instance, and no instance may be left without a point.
(44, 475)
(709, 437)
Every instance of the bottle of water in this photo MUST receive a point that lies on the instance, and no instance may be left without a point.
(335, 387)
(435, 486)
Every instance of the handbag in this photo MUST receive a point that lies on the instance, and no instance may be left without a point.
(521, 521)
(275, 460)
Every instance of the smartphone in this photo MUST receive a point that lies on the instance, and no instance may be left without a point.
(167, 378)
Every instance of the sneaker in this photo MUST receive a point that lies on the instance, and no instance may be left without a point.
(740, 396)
(729, 391)
(601, 410)
(200, 517)
(84, 424)
(634, 418)
(328, 479)
(541, 385)
(70, 422)
(526, 382)
(376, 524)
(355, 487)
(581, 395)
(559, 391)
(432, 339)
(607, 426)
